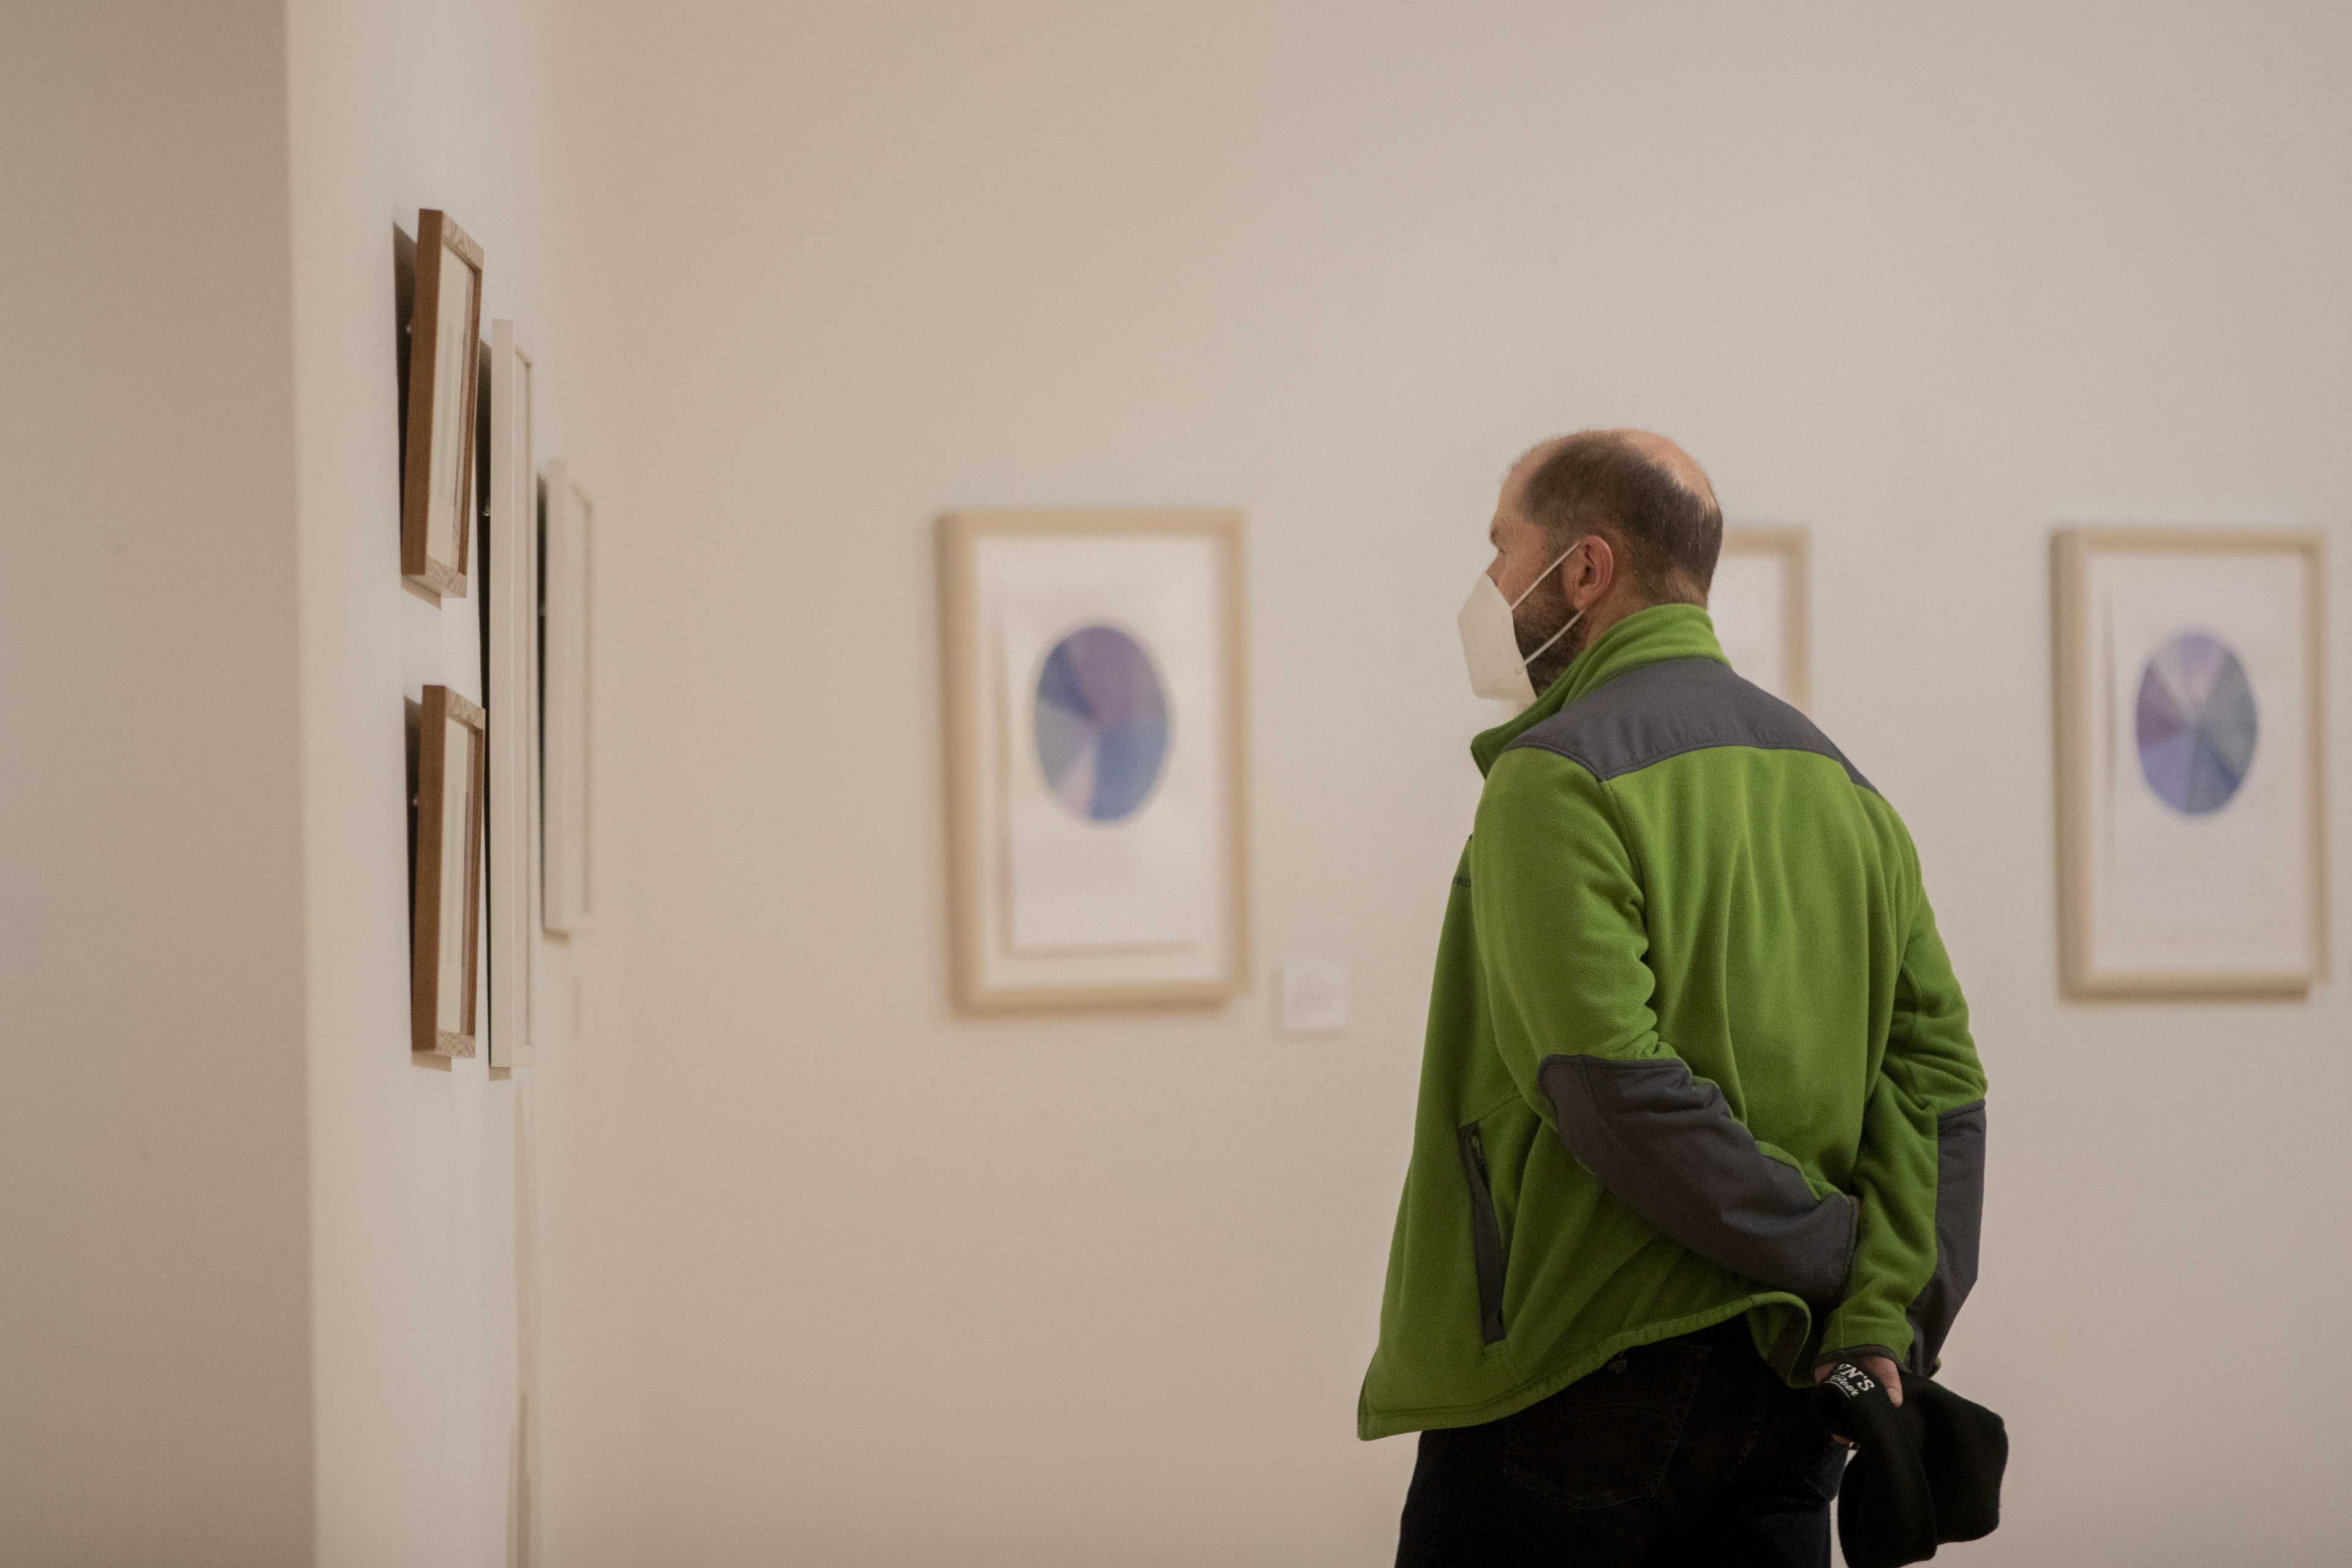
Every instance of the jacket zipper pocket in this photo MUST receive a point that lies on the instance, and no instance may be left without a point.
(1485, 1234)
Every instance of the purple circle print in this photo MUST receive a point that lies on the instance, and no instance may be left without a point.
(2197, 724)
(1102, 724)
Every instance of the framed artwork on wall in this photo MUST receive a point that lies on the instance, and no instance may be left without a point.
(567, 542)
(511, 589)
(2192, 761)
(1095, 730)
(445, 942)
(437, 484)
(1761, 606)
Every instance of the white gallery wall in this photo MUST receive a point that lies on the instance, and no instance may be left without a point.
(155, 1375)
(454, 1424)
(1090, 1290)
(825, 1273)
(263, 1276)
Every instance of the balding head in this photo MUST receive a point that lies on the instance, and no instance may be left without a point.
(1641, 491)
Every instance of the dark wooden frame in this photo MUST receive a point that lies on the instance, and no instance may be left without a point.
(438, 241)
(441, 706)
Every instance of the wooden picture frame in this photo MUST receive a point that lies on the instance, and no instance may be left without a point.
(1097, 758)
(445, 951)
(511, 588)
(436, 487)
(1763, 604)
(568, 544)
(2192, 761)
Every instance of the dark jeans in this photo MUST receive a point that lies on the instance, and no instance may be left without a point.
(1689, 1451)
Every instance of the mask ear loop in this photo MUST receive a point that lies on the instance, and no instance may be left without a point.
(1547, 572)
(1531, 586)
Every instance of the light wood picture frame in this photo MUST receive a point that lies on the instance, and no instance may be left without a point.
(1097, 758)
(437, 487)
(2192, 761)
(512, 589)
(1761, 603)
(568, 543)
(445, 948)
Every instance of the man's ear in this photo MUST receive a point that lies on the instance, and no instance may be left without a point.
(1593, 578)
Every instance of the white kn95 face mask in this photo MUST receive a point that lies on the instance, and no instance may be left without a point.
(1490, 638)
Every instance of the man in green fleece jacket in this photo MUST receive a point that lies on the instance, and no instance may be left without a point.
(1699, 1110)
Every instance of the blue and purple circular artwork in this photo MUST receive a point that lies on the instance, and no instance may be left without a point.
(2197, 724)
(1102, 724)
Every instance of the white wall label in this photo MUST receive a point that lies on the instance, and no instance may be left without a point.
(1314, 998)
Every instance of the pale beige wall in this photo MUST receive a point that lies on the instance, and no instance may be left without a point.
(155, 1286)
(263, 1302)
(438, 1184)
(830, 1276)
(1088, 1292)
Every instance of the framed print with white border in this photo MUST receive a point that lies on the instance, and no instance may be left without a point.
(512, 592)
(568, 545)
(1095, 745)
(1760, 604)
(436, 486)
(444, 944)
(2192, 761)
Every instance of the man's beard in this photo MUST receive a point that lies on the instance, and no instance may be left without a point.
(1534, 622)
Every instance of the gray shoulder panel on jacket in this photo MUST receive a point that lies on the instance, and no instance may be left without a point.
(1667, 1147)
(1663, 710)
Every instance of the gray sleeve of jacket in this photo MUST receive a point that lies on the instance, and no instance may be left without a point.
(1960, 1221)
(1667, 1147)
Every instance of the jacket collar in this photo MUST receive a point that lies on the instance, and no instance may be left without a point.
(1649, 636)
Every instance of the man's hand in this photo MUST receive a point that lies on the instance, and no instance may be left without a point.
(1878, 1366)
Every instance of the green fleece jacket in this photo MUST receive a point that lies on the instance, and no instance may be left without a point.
(1695, 1052)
